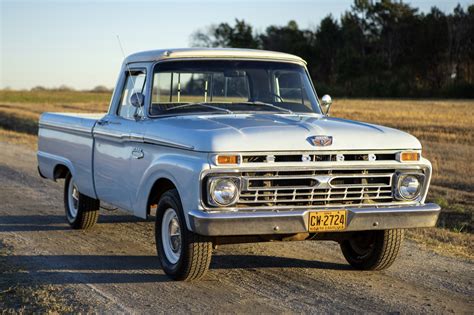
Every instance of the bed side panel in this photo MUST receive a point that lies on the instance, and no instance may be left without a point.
(66, 139)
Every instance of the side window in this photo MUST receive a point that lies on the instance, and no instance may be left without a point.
(135, 83)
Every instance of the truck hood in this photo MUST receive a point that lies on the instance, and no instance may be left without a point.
(274, 132)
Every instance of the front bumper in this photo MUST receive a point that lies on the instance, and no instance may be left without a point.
(292, 222)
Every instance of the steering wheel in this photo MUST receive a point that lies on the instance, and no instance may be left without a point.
(269, 93)
(278, 96)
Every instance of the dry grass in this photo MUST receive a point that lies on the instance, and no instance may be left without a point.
(444, 241)
(54, 98)
(20, 111)
(430, 120)
(444, 127)
(18, 138)
(31, 104)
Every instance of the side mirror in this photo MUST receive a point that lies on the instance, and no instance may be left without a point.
(326, 102)
(137, 99)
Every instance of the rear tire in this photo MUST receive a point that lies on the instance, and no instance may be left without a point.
(82, 212)
(373, 250)
(184, 255)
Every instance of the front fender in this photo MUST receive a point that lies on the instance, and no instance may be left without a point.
(183, 170)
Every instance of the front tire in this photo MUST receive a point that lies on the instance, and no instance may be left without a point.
(183, 255)
(373, 250)
(82, 212)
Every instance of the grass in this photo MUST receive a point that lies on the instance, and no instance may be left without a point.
(20, 110)
(53, 97)
(444, 127)
(444, 241)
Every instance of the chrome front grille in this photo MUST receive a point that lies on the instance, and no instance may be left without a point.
(311, 188)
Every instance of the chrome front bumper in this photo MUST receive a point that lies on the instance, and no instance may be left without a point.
(291, 222)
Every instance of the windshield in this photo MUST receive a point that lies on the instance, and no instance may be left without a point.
(229, 86)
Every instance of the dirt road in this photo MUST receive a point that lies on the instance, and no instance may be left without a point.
(113, 268)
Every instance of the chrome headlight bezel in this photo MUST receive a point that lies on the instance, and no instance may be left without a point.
(211, 188)
(400, 177)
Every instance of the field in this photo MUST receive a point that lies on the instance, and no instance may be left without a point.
(445, 128)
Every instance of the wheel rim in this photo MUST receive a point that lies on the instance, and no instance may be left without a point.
(171, 235)
(363, 244)
(73, 199)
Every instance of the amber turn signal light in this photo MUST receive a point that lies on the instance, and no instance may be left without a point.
(409, 156)
(227, 159)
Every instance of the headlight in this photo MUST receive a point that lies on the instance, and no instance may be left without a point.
(409, 186)
(223, 191)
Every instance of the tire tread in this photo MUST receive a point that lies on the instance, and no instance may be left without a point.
(90, 212)
(392, 241)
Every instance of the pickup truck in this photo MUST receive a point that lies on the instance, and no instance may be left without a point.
(229, 146)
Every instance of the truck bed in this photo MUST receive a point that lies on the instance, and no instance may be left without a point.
(81, 121)
(65, 140)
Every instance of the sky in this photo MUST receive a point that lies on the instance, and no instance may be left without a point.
(74, 43)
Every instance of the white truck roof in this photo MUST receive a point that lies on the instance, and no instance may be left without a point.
(224, 53)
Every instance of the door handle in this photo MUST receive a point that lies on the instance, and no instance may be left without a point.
(138, 153)
(103, 122)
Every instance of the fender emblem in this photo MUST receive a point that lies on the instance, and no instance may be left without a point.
(320, 141)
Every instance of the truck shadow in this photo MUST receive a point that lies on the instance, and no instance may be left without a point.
(89, 269)
(103, 269)
(37, 223)
(32, 223)
(260, 261)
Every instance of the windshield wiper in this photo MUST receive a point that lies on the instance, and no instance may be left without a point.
(269, 105)
(201, 104)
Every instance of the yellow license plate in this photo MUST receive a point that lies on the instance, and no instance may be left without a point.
(327, 221)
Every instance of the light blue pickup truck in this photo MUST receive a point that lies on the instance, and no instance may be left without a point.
(232, 146)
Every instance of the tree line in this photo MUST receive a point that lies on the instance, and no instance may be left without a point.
(376, 49)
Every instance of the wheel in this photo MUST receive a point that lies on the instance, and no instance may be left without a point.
(82, 211)
(183, 255)
(373, 250)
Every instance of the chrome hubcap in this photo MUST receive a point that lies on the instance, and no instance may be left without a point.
(73, 199)
(171, 235)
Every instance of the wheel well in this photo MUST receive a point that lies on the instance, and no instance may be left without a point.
(161, 186)
(60, 171)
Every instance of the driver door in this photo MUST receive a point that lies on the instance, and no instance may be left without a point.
(114, 146)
